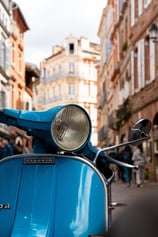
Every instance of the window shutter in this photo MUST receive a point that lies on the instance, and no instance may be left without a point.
(142, 64)
(132, 12)
(152, 60)
(139, 63)
(140, 7)
(7, 58)
(132, 71)
(1, 53)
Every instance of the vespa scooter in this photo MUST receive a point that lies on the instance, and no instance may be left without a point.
(58, 190)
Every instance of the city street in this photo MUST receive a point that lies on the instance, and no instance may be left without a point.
(139, 215)
(122, 194)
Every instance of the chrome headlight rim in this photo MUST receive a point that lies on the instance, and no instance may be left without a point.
(84, 134)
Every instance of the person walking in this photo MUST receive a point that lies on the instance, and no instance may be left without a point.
(113, 154)
(7, 148)
(127, 158)
(120, 168)
(139, 160)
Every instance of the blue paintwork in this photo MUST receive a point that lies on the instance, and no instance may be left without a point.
(37, 123)
(65, 199)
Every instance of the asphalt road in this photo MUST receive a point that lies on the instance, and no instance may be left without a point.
(139, 215)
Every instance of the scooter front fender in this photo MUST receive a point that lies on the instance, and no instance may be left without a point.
(52, 196)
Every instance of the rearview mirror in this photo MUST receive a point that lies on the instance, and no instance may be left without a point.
(140, 130)
(138, 133)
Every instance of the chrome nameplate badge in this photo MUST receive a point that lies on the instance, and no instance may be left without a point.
(4, 206)
(39, 161)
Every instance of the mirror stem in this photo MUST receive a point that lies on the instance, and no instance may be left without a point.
(119, 145)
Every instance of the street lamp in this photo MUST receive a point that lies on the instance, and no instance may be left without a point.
(154, 33)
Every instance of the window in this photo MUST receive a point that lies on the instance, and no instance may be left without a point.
(140, 7)
(132, 71)
(53, 91)
(27, 106)
(86, 90)
(59, 90)
(2, 99)
(107, 48)
(43, 72)
(93, 90)
(71, 48)
(20, 63)
(71, 89)
(13, 54)
(146, 2)
(132, 12)
(54, 70)
(152, 60)
(59, 68)
(141, 64)
(3, 56)
(71, 67)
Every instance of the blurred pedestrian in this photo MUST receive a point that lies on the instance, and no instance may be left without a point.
(120, 168)
(139, 160)
(127, 158)
(113, 166)
(7, 147)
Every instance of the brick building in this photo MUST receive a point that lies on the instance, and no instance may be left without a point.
(17, 83)
(16, 78)
(137, 74)
(4, 52)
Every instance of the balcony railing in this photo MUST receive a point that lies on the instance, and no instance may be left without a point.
(60, 75)
(46, 101)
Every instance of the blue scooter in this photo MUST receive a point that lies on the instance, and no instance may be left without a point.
(63, 188)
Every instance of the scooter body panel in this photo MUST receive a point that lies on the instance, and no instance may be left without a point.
(51, 196)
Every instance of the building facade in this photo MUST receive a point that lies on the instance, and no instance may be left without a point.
(108, 77)
(135, 79)
(5, 53)
(144, 72)
(16, 78)
(19, 97)
(69, 75)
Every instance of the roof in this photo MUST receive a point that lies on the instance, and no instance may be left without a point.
(15, 7)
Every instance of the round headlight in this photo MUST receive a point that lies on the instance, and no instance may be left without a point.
(70, 128)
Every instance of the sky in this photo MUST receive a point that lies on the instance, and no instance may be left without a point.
(51, 21)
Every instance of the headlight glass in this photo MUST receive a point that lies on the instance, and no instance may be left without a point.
(71, 128)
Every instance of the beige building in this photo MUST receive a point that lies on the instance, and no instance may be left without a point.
(69, 75)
